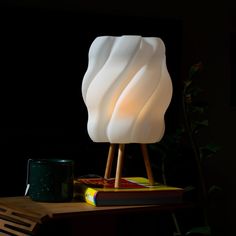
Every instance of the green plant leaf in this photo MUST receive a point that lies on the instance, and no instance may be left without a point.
(211, 148)
(197, 125)
(203, 230)
(198, 109)
(187, 83)
(208, 150)
(194, 90)
(189, 188)
(214, 189)
(202, 123)
(197, 67)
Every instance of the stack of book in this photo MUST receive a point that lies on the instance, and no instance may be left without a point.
(132, 191)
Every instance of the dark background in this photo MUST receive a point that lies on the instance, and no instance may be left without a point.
(45, 56)
(44, 52)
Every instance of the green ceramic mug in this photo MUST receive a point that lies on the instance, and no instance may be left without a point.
(50, 180)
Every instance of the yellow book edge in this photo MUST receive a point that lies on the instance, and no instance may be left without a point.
(89, 193)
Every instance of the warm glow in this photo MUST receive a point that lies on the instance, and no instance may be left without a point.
(127, 89)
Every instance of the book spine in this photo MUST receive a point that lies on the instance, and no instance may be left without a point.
(90, 196)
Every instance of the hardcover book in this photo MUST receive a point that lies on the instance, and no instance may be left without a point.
(132, 191)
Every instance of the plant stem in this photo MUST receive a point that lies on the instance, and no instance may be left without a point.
(174, 218)
(193, 143)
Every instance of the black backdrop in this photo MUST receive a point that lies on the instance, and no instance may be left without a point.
(44, 55)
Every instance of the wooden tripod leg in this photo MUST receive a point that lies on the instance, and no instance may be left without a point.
(109, 161)
(119, 165)
(147, 164)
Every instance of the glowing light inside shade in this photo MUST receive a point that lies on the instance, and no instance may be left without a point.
(127, 89)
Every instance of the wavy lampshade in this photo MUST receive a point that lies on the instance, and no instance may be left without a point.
(127, 89)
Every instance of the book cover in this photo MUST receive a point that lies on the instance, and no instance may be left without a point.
(132, 191)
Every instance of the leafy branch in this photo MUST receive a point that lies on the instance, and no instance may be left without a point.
(194, 120)
(191, 128)
(187, 136)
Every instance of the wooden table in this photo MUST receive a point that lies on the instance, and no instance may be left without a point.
(21, 216)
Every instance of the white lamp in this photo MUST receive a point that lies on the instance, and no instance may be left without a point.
(127, 90)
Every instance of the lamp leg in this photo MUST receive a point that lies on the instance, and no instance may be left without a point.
(147, 164)
(109, 161)
(119, 165)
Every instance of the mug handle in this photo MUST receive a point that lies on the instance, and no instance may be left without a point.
(27, 177)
